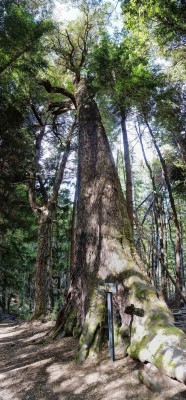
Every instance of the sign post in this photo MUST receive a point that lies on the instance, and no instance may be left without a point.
(110, 325)
(109, 288)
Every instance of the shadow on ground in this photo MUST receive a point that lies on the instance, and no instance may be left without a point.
(49, 371)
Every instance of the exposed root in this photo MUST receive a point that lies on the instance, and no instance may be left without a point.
(148, 381)
(91, 337)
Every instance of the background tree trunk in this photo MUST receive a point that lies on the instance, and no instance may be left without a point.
(46, 215)
(128, 169)
(178, 244)
(42, 259)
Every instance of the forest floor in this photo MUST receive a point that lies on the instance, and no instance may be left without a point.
(49, 371)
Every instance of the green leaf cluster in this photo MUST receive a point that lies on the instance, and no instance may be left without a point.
(158, 22)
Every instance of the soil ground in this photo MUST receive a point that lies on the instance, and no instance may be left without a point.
(30, 371)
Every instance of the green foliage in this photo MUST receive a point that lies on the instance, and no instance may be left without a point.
(14, 255)
(20, 33)
(159, 22)
(177, 170)
(22, 54)
(166, 18)
(16, 147)
(121, 71)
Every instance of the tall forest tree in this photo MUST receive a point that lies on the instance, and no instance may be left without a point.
(45, 206)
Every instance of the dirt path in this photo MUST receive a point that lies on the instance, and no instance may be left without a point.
(49, 372)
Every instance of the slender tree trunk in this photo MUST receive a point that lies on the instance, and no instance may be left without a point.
(181, 219)
(4, 297)
(105, 253)
(162, 251)
(158, 221)
(46, 214)
(9, 301)
(154, 256)
(50, 267)
(128, 169)
(42, 260)
(73, 234)
(142, 248)
(157, 260)
(30, 293)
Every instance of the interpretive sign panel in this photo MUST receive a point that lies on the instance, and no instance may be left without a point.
(107, 287)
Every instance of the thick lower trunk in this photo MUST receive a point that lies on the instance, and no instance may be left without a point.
(105, 253)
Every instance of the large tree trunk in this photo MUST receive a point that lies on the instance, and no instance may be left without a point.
(105, 253)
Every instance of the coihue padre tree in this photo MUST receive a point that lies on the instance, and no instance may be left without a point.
(105, 250)
(136, 87)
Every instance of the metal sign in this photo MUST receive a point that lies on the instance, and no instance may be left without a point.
(109, 288)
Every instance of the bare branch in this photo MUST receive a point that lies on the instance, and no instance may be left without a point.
(32, 178)
(61, 107)
(72, 53)
(42, 187)
(146, 198)
(61, 168)
(36, 114)
(31, 192)
(55, 89)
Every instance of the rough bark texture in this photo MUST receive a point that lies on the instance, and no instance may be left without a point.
(144, 325)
